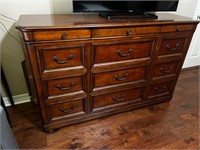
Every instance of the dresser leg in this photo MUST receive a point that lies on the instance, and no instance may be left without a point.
(50, 131)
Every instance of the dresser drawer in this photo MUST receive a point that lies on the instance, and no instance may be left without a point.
(61, 34)
(63, 86)
(172, 45)
(64, 109)
(177, 28)
(122, 51)
(163, 88)
(133, 95)
(128, 31)
(60, 56)
(117, 77)
(164, 69)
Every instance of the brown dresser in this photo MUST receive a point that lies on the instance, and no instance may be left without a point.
(85, 67)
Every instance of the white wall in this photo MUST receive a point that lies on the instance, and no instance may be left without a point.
(11, 51)
(191, 8)
(187, 8)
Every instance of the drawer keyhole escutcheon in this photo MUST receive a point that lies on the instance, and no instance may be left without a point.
(64, 36)
(121, 79)
(55, 58)
(118, 99)
(129, 32)
(157, 89)
(167, 70)
(68, 110)
(124, 55)
(65, 88)
(172, 49)
(178, 29)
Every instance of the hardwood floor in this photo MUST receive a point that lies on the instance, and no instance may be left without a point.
(169, 125)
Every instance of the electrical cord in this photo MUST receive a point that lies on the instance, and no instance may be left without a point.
(7, 29)
(7, 17)
(9, 32)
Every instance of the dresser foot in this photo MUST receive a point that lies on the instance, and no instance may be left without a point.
(52, 131)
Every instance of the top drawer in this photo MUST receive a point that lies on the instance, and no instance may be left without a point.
(177, 28)
(128, 31)
(172, 45)
(61, 34)
(61, 56)
(121, 50)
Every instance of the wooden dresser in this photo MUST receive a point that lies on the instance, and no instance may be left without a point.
(85, 67)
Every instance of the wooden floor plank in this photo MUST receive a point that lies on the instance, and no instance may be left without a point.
(169, 125)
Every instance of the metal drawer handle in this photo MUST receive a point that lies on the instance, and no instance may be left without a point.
(68, 110)
(55, 58)
(167, 70)
(64, 36)
(65, 88)
(118, 99)
(172, 49)
(129, 32)
(120, 79)
(124, 55)
(160, 89)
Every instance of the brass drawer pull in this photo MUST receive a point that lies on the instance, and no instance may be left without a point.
(124, 55)
(55, 58)
(167, 70)
(65, 88)
(129, 32)
(160, 89)
(120, 79)
(68, 110)
(172, 49)
(118, 99)
(64, 36)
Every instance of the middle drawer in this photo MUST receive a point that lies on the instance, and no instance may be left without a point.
(120, 76)
(63, 86)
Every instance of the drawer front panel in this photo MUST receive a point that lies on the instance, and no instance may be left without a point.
(129, 31)
(68, 108)
(164, 69)
(117, 77)
(116, 98)
(177, 28)
(55, 58)
(123, 51)
(64, 86)
(172, 45)
(159, 89)
(61, 34)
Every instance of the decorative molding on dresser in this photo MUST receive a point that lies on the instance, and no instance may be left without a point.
(85, 67)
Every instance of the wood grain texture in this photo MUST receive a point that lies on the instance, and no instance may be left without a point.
(169, 125)
(76, 59)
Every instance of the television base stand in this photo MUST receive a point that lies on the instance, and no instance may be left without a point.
(131, 15)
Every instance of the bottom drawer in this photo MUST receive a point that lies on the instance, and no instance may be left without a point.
(159, 89)
(117, 98)
(68, 108)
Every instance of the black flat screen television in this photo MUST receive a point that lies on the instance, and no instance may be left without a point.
(124, 8)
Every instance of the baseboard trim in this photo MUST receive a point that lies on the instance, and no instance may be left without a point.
(190, 68)
(18, 99)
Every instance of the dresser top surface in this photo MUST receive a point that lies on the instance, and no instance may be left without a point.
(44, 21)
